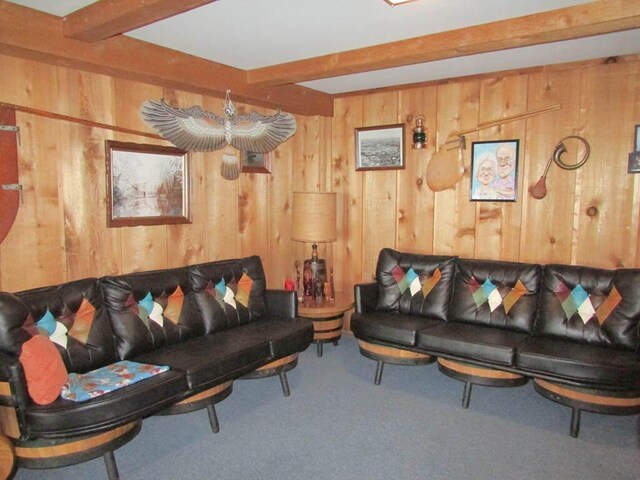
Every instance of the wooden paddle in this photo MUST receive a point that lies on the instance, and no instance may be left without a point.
(446, 168)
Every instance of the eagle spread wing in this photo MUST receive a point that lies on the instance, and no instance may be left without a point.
(194, 129)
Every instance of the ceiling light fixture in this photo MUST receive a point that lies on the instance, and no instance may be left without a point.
(393, 3)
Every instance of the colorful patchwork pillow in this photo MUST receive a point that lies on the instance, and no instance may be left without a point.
(44, 369)
(496, 293)
(80, 387)
(414, 284)
(591, 305)
(586, 306)
(496, 296)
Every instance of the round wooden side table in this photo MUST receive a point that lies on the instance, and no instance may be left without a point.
(327, 316)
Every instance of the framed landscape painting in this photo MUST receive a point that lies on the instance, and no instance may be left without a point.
(380, 148)
(146, 185)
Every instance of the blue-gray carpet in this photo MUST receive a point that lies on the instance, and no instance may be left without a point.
(338, 425)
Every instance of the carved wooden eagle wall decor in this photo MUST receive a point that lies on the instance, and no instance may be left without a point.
(197, 130)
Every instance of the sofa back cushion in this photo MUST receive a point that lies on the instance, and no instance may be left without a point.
(591, 305)
(149, 310)
(496, 293)
(71, 315)
(227, 293)
(414, 284)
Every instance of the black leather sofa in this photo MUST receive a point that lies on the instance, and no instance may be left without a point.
(210, 323)
(573, 330)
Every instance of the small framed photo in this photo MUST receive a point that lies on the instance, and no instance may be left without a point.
(634, 162)
(494, 171)
(636, 144)
(380, 148)
(146, 185)
(253, 162)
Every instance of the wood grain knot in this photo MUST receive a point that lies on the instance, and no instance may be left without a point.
(592, 211)
(419, 182)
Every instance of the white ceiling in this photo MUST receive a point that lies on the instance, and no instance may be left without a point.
(250, 34)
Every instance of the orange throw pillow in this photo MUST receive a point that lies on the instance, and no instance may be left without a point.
(44, 369)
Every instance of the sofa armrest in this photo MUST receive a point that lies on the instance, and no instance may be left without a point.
(12, 373)
(281, 303)
(366, 296)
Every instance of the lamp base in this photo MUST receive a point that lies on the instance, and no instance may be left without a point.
(314, 277)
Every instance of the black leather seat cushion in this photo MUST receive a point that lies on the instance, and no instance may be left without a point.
(476, 342)
(579, 362)
(285, 336)
(212, 359)
(390, 327)
(66, 418)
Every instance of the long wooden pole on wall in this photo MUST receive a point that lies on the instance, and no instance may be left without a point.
(81, 121)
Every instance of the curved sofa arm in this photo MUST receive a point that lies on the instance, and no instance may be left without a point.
(12, 374)
(281, 303)
(366, 296)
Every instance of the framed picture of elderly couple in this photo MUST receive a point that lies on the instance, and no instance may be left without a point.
(494, 171)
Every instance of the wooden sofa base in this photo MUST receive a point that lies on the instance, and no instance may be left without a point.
(278, 367)
(206, 399)
(396, 356)
(470, 374)
(598, 401)
(7, 457)
(52, 453)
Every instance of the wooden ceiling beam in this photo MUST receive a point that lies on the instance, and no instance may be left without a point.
(101, 20)
(35, 35)
(595, 18)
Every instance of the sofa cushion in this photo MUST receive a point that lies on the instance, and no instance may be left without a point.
(66, 418)
(285, 335)
(475, 342)
(72, 315)
(212, 359)
(582, 363)
(148, 310)
(590, 305)
(228, 293)
(390, 327)
(496, 294)
(414, 284)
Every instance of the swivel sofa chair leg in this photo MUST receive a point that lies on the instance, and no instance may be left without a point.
(466, 396)
(379, 368)
(319, 347)
(110, 463)
(575, 422)
(285, 383)
(213, 418)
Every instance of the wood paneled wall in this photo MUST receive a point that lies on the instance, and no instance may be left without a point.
(590, 216)
(60, 233)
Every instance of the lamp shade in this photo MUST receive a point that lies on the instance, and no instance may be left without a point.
(314, 217)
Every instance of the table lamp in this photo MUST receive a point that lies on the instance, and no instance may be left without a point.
(314, 221)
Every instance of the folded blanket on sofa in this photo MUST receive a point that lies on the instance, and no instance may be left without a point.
(83, 386)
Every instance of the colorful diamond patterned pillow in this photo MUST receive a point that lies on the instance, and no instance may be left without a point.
(79, 324)
(415, 283)
(495, 296)
(578, 300)
(232, 293)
